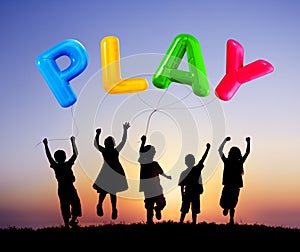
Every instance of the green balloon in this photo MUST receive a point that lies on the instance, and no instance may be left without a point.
(167, 71)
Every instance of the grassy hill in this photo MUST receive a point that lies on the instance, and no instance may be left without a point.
(160, 236)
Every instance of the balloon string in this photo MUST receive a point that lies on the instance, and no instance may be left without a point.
(180, 100)
(154, 110)
(148, 121)
(74, 122)
(62, 139)
(192, 107)
(162, 97)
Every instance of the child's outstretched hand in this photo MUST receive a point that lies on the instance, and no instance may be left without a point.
(228, 138)
(98, 131)
(45, 141)
(208, 145)
(169, 177)
(143, 138)
(72, 138)
(248, 139)
(126, 125)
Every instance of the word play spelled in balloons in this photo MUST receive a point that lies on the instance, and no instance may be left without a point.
(236, 74)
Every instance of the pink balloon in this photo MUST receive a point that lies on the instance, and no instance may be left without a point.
(236, 73)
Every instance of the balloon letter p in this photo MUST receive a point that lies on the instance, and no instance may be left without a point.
(57, 79)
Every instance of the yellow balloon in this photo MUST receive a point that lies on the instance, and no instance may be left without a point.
(111, 70)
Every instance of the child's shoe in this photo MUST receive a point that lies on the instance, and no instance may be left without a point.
(74, 223)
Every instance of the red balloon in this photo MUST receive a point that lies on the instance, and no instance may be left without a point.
(236, 73)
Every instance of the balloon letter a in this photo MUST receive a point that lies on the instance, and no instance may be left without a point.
(58, 80)
(167, 71)
(111, 73)
(236, 73)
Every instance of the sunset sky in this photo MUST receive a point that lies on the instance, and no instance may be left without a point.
(266, 108)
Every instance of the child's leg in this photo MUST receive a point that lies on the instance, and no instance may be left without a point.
(195, 207)
(66, 220)
(224, 200)
(75, 206)
(75, 209)
(182, 216)
(161, 202)
(231, 213)
(149, 216)
(65, 210)
(149, 205)
(160, 205)
(185, 207)
(194, 217)
(101, 198)
(113, 200)
(233, 203)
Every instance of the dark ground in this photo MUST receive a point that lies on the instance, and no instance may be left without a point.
(160, 236)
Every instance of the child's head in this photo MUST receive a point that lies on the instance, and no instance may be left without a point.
(109, 142)
(234, 153)
(60, 156)
(189, 160)
(151, 152)
(147, 156)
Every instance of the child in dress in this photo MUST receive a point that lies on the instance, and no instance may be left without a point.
(111, 178)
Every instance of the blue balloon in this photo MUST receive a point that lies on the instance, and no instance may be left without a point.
(58, 80)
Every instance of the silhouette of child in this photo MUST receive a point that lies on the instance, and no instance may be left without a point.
(232, 177)
(111, 178)
(70, 205)
(150, 181)
(191, 187)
